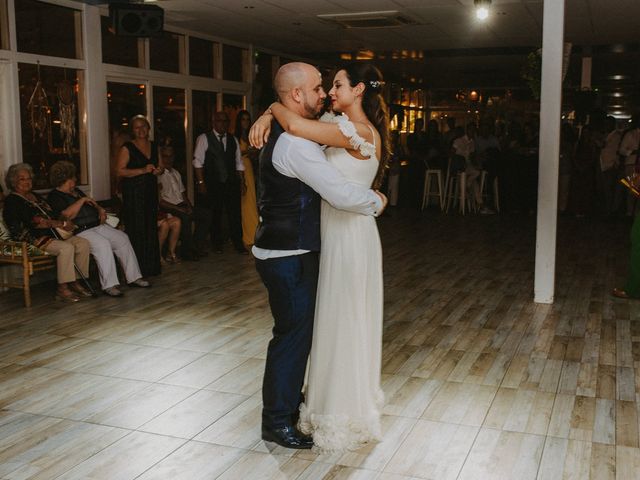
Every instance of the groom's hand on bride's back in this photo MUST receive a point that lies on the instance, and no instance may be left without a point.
(259, 132)
(384, 199)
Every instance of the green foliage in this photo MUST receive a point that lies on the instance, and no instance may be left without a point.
(532, 72)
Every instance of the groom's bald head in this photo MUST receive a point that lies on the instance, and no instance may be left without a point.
(299, 87)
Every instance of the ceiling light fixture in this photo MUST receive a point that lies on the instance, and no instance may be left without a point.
(482, 9)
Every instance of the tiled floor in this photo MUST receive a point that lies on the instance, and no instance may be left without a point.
(480, 382)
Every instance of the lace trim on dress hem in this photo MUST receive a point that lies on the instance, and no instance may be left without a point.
(337, 433)
(348, 129)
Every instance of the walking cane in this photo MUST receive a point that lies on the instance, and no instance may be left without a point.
(84, 279)
(59, 237)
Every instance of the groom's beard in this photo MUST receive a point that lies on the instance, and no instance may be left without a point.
(312, 111)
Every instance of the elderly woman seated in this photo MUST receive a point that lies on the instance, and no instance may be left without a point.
(71, 203)
(30, 218)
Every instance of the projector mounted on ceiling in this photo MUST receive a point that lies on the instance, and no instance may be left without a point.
(382, 19)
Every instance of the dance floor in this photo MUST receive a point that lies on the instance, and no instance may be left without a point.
(480, 382)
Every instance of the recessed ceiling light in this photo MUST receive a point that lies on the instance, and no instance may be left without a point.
(482, 9)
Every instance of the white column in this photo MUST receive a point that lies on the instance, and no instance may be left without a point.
(550, 111)
(96, 120)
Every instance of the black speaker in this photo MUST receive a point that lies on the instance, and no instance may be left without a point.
(136, 19)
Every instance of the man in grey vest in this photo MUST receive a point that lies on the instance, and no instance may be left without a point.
(219, 174)
(294, 174)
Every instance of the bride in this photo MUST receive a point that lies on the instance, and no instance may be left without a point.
(343, 398)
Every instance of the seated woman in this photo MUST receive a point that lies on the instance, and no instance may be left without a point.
(71, 203)
(174, 200)
(169, 227)
(30, 218)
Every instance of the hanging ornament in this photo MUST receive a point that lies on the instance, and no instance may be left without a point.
(39, 111)
(67, 104)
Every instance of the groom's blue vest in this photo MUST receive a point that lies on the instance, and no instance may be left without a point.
(289, 209)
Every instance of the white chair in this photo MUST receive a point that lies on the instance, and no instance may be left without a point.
(457, 192)
(430, 176)
(496, 191)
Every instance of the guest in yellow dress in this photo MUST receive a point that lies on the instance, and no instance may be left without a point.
(248, 200)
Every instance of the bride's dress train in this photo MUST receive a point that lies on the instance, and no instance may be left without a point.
(344, 400)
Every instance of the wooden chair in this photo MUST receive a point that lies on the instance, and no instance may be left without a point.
(17, 253)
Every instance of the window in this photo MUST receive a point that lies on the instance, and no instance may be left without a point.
(120, 49)
(204, 105)
(264, 94)
(124, 100)
(4, 26)
(50, 99)
(48, 29)
(166, 52)
(232, 104)
(234, 63)
(169, 120)
(201, 57)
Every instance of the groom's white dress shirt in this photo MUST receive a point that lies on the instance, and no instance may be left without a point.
(303, 159)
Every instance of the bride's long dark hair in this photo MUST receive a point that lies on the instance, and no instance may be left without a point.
(375, 108)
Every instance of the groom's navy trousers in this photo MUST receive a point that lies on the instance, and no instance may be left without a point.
(291, 283)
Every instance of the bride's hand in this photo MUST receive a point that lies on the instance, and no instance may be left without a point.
(260, 130)
(384, 199)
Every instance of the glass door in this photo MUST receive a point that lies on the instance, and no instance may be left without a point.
(169, 122)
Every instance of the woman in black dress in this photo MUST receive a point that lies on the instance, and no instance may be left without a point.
(138, 169)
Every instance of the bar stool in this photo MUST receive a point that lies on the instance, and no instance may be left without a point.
(429, 176)
(457, 192)
(496, 191)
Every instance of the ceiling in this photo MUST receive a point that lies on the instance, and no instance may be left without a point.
(294, 26)
(452, 46)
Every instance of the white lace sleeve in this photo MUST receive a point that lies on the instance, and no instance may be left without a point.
(348, 129)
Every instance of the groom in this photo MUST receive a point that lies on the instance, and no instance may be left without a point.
(294, 174)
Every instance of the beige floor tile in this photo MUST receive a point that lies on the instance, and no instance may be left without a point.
(263, 466)
(142, 406)
(318, 471)
(252, 343)
(141, 363)
(126, 458)
(460, 403)
(171, 334)
(393, 476)
(246, 379)
(564, 459)
(42, 448)
(525, 411)
(499, 455)
(194, 414)
(240, 428)
(75, 395)
(203, 370)
(376, 456)
(212, 338)
(627, 463)
(411, 398)
(433, 450)
(194, 461)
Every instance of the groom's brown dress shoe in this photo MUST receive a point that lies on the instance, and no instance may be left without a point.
(287, 437)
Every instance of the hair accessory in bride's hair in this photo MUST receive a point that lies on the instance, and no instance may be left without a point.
(375, 84)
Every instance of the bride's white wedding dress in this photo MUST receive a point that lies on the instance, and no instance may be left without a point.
(343, 397)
